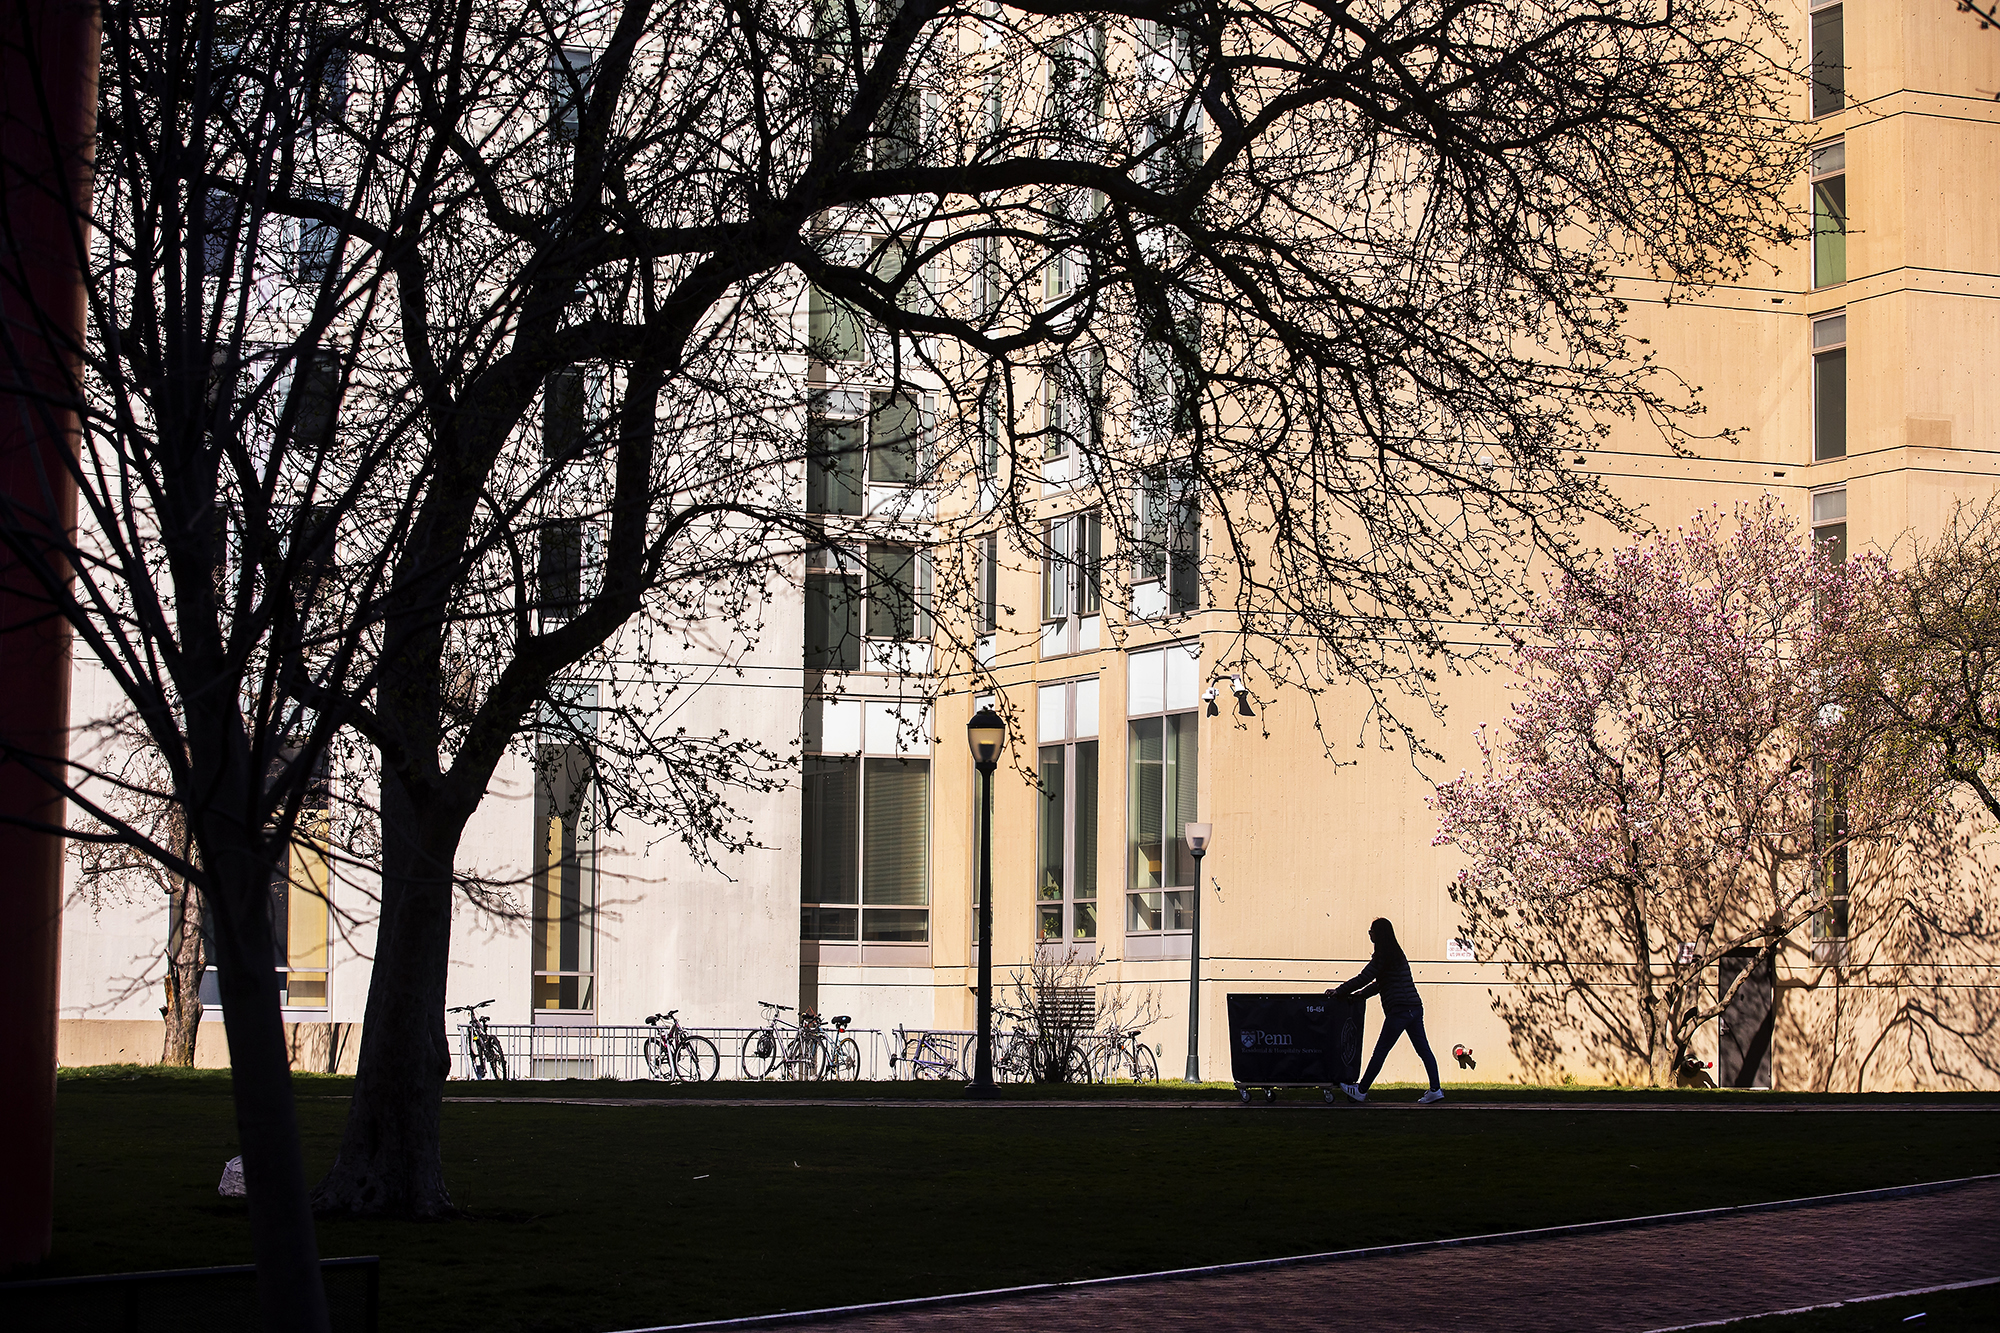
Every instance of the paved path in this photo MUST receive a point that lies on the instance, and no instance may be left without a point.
(1144, 1104)
(1618, 1281)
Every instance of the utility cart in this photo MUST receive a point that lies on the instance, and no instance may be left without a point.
(1297, 1040)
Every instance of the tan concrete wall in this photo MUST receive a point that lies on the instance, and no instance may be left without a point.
(316, 1048)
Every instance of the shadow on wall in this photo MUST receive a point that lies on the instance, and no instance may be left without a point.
(1910, 999)
(314, 1048)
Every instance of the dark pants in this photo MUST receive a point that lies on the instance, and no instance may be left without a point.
(1395, 1022)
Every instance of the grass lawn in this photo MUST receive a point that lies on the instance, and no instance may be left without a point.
(593, 1218)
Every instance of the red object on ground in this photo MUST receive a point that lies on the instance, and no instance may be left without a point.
(48, 98)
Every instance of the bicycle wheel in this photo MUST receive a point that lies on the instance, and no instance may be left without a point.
(845, 1063)
(935, 1058)
(1077, 1066)
(1145, 1065)
(496, 1059)
(658, 1063)
(760, 1054)
(697, 1060)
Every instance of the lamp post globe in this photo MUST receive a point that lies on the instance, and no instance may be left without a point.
(1198, 837)
(986, 734)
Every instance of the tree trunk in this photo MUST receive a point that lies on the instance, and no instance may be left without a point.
(391, 1160)
(290, 1295)
(185, 962)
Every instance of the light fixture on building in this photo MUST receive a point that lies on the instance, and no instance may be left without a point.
(1198, 837)
(1243, 708)
(1209, 699)
(986, 733)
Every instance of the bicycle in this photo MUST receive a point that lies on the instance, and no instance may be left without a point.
(926, 1055)
(768, 1048)
(675, 1054)
(1125, 1056)
(482, 1048)
(843, 1057)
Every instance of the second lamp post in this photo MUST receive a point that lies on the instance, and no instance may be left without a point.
(1197, 842)
(986, 733)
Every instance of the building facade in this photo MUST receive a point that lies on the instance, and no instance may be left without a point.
(1856, 373)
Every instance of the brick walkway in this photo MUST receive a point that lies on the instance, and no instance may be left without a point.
(1640, 1278)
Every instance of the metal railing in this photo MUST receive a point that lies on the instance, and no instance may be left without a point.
(618, 1051)
(590, 1051)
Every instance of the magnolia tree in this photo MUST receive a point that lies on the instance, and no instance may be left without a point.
(1674, 786)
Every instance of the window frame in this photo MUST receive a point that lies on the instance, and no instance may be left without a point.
(1067, 740)
(1174, 910)
(1072, 566)
(868, 766)
(579, 855)
(1826, 16)
(1826, 182)
(1828, 341)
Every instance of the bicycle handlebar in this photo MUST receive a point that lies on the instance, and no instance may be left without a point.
(781, 1008)
(467, 1008)
(661, 1018)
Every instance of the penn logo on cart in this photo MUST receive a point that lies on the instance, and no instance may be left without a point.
(1255, 1037)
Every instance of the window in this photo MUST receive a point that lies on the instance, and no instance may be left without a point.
(1162, 753)
(1066, 805)
(300, 902)
(1163, 387)
(563, 415)
(988, 590)
(1078, 78)
(317, 241)
(833, 612)
(220, 219)
(989, 447)
(1829, 387)
(834, 329)
(835, 450)
(1167, 544)
(559, 570)
(899, 593)
(565, 880)
(312, 398)
(1829, 524)
(865, 859)
(1074, 553)
(1829, 199)
(326, 79)
(1073, 394)
(1830, 854)
(1829, 60)
(569, 90)
(898, 433)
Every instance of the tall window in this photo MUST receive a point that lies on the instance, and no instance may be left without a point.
(1830, 854)
(836, 447)
(1829, 387)
(1829, 59)
(1072, 397)
(565, 881)
(833, 612)
(987, 620)
(569, 90)
(834, 328)
(312, 398)
(559, 570)
(317, 239)
(1829, 196)
(865, 862)
(564, 416)
(886, 597)
(1829, 523)
(1070, 563)
(300, 902)
(1066, 805)
(1167, 546)
(1162, 753)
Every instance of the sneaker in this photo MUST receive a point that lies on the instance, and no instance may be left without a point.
(1434, 1095)
(1354, 1092)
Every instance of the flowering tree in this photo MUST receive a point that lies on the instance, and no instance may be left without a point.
(1674, 784)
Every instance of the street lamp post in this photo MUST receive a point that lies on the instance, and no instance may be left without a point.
(1198, 836)
(986, 733)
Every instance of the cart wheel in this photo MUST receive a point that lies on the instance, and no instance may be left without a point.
(1244, 1093)
(1328, 1094)
(1270, 1095)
